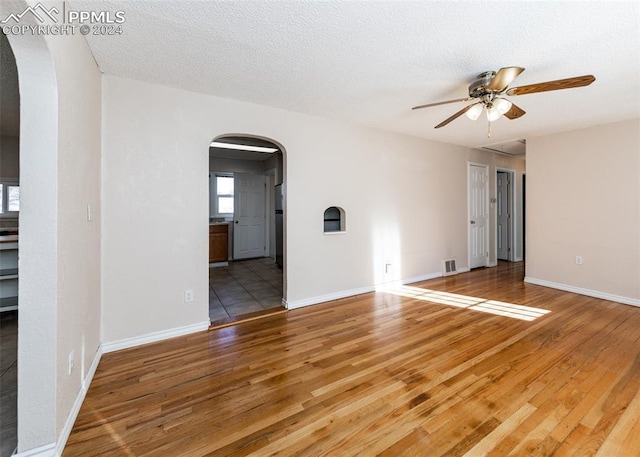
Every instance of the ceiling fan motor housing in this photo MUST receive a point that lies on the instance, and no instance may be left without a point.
(478, 88)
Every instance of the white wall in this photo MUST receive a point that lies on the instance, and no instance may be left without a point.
(156, 214)
(79, 170)
(38, 240)
(405, 200)
(583, 190)
(59, 296)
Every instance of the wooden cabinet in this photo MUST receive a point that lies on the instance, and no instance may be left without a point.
(218, 243)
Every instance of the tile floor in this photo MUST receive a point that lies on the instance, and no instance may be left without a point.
(245, 286)
(8, 382)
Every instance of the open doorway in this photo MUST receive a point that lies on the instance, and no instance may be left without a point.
(9, 210)
(246, 229)
(524, 216)
(505, 191)
(37, 239)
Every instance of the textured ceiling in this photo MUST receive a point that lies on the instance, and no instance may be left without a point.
(369, 62)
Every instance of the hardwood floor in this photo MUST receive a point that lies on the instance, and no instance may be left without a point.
(474, 364)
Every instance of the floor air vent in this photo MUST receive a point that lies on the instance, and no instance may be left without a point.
(449, 267)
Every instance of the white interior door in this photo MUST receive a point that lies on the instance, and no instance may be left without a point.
(478, 215)
(502, 216)
(249, 216)
(271, 217)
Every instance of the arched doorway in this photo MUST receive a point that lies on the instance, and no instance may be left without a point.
(246, 228)
(9, 225)
(37, 244)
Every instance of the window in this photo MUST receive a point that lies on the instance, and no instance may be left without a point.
(224, 194)
(13, 198)
(9, 198)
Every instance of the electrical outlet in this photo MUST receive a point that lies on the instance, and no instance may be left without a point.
(579, 260)
(387, 268)
(188, 296)
(89, 215)
(71, 361)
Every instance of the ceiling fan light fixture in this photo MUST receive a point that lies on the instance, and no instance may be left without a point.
(492, 113)
(502, 105)
(487, 87)
(474, 112)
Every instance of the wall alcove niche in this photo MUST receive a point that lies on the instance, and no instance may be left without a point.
(334, 220)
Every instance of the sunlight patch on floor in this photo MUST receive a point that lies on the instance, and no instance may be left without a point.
(525, 313)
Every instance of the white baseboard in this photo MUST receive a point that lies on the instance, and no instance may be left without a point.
(48, 450)
(492, 264)
(363, 290)
(581, 291)
(75, 409)
(218, 264)
(154, 337)
(464, 270)
(55, 449)
(424, 277)
(329, 297)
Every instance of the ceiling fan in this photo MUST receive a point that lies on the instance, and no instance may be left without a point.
(489, 88)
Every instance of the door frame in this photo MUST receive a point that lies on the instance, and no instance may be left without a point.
(468, 215)
(282, 174)
(511, 208)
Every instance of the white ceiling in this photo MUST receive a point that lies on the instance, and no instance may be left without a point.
(369, 62)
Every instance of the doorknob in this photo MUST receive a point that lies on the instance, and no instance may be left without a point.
(236, 222)
(473, 222)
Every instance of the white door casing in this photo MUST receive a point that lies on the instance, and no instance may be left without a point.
(478, 203)
(249, 216)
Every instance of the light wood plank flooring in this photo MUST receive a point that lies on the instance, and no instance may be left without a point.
(474, 364)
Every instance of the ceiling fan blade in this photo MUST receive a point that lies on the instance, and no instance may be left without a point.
(449, 119)
(503, 78)
(441, 103)
(578, 81)
(514, 112)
